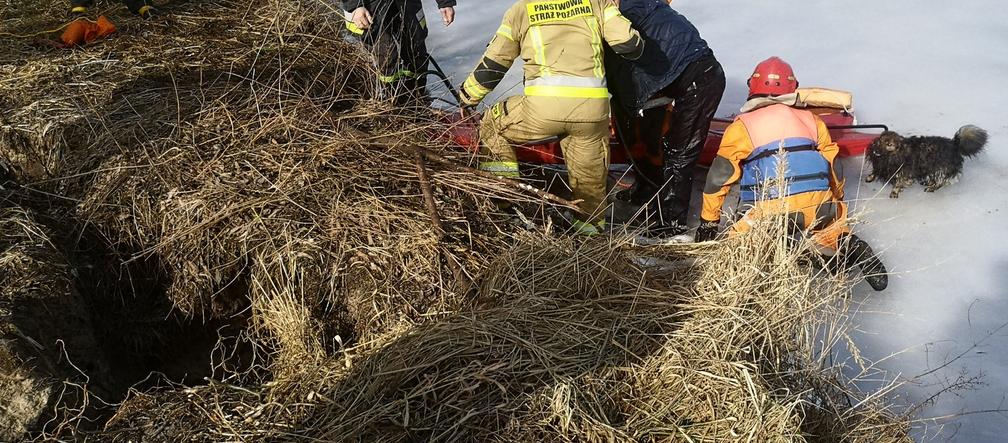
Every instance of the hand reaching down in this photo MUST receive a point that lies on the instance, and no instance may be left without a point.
(448, 15)
(361, 18)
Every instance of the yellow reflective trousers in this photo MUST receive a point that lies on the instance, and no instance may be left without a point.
(585, 145)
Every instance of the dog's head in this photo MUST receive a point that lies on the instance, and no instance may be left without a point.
(888, 142)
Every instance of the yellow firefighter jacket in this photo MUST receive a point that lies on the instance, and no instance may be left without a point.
(560, 42)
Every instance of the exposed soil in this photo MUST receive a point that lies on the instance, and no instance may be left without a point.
(81, 325)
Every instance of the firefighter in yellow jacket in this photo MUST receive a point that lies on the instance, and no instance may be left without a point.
(560, 42)
(750, 153)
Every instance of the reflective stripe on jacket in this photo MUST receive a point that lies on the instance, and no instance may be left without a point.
(561, 44)
(749, 155)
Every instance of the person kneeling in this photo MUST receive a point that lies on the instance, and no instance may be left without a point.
(565, 92)
(813, 198)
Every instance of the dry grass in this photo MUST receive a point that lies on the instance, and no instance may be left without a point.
(581, 344)
(225, 158)
(246, 152)
(45, 329)
(30, 269)
(579, 341)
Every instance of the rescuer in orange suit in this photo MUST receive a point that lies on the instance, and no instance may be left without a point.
(749, 154)
(561, 43)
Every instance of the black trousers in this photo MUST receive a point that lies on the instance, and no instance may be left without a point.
(397, 39)
(677, 137)
(133, 5)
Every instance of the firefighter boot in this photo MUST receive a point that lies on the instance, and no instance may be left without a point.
(79, 8)
(143, 8)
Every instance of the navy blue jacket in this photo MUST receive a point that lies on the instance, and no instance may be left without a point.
(671, 44)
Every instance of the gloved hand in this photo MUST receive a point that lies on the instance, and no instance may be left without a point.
(707, 230)
(467, 100)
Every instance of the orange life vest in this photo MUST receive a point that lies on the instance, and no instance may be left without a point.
(781, 129)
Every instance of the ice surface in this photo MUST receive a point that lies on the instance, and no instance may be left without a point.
(922, 67)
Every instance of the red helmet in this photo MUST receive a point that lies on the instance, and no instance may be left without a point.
(772, 76)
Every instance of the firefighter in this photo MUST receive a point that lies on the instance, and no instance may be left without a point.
(396, 33)
(561, 43)
(143, 8)
(677, 67)
(750, 152)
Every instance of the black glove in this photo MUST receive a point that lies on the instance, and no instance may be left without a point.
(467, 100)
(707, 230)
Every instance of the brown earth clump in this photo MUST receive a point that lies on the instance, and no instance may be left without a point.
(48, 351)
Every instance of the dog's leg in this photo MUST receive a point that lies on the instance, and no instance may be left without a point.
(870, 178)
(898, 185)
(934, 182)
(896, 189)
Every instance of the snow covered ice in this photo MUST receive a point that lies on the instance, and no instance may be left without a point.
(923, 68)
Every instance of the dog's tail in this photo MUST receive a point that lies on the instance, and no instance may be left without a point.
(970, 140)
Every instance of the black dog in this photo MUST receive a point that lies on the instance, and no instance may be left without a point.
(932, 161)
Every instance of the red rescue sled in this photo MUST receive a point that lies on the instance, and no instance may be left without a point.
(852, 138)
(832, 106)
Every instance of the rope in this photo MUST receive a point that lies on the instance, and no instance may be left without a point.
(50, 31)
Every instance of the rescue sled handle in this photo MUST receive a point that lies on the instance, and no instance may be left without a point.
(877, 126)
(882, 127)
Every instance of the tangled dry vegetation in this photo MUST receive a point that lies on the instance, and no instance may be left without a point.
(36, 292)
(241, 155)
(238, 156)
(573, 341)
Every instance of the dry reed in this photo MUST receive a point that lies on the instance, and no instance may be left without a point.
(246, 151)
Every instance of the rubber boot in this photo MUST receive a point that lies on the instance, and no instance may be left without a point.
(858, 253)
(642, 191)
(672, 204)
(141, 8)
(79, 8)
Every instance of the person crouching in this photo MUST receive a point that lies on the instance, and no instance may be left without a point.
(813, 198)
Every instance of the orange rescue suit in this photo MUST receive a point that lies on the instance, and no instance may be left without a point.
(820, 211)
